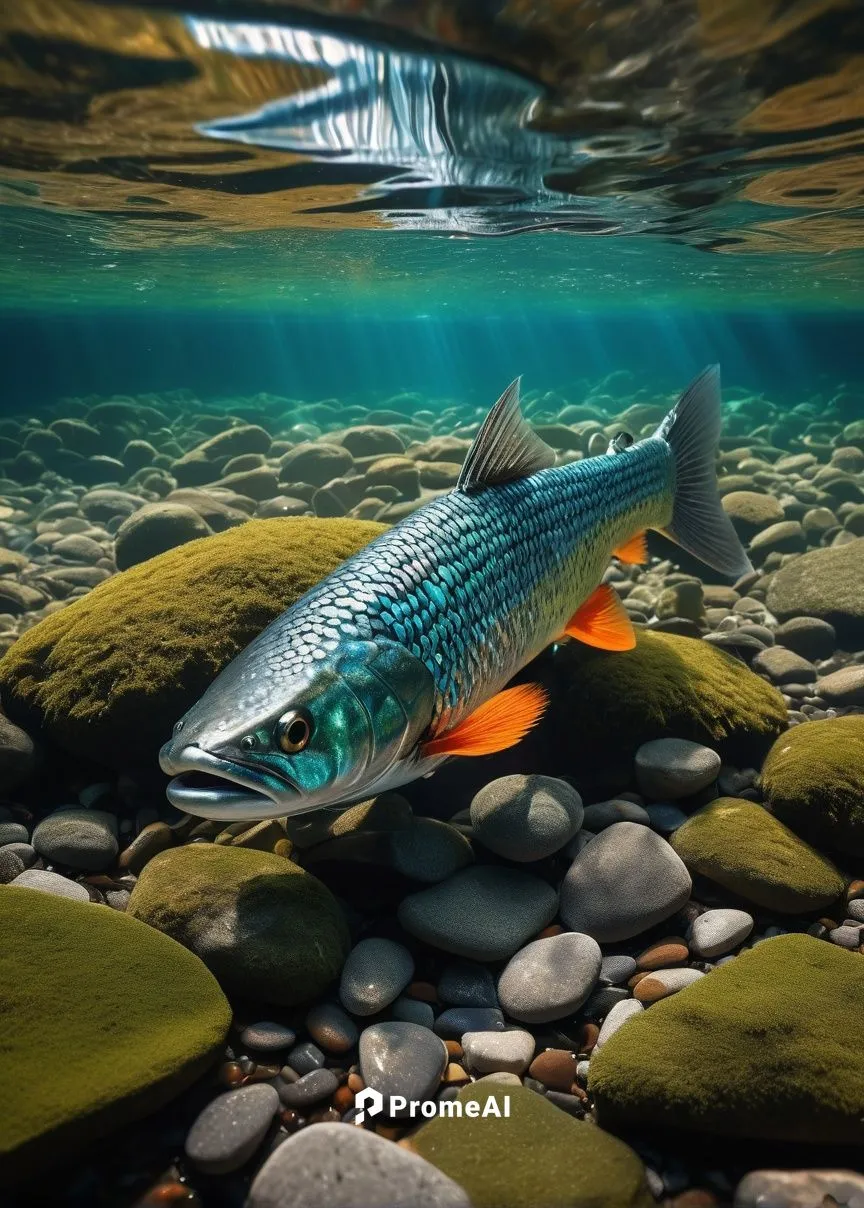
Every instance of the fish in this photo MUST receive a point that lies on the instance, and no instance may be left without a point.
(400, 659)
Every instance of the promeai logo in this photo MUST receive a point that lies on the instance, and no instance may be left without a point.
(369, 1102)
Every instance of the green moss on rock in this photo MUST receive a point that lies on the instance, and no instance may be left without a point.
(104, 1021)
(537, 1158)
(668, 686)
(768, 1046)
(741, 846)
(813, 778)
(108, 676)
(265, 927)
(825, 583)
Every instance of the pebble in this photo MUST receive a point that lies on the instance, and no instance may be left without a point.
(429, 850)
(663, 982)
(615, 970)
(526, 818)
(555, 1068)
(717, 932)
(13, 832)
(843, 687)
(331, 1028)
(784, 666)
(497, 1052)
(150, 840)
(810, 637)
(411, 1010)
(311, 1088)
(847, 937)
(800, 1189)
(402, 1059)
(550, 978)
(230, 1129)
(625, 881)
(465, 984)
(605, 813)
(267, 1037)
(674, 767)
(453, 1023)
(665, 818)
(305, 1057)
(336, 1166)
(376, 972)
(78, 838)
(11, 866)
(855, 908)
(617, 1017)
(51, 882)
(663, 953)
(483, 913)
(25, 852)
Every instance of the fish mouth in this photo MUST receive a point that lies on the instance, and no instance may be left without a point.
(225, 790)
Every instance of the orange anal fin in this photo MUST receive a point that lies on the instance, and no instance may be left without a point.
(602, 621)
(634, 551)
(497, 724)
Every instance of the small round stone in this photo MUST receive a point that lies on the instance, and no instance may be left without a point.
(494, 1052)
(526, 818)
(855, 909)
(230, 1129)
(267, 1037)
(847, 937)
(555, 1068)
(670, 768)
(550, 978)
(402, 1059)
(51, 882)
(78, 838)
(376, 972)
(717, 932)
(331, 1028)
(305, 1057)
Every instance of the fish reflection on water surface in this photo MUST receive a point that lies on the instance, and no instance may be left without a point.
(399, 658)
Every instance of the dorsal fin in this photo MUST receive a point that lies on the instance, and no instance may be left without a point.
(505, 448)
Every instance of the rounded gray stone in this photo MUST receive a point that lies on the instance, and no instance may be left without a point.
(11, 866)
(717, 932)
(855, 910)
(78, 838)
(376, 972)
(13, 832)
(311, 1088)
(615, 970)
(526, 818)
(339, 1166)
(669, 768)
(665, 818)
(605, 813)
(267, 1037)
(230, 1129)
(25, 852)
(483, 913)
(412, 1010)
(429, 850)
(51, 882)
(402, 1059)
(617, 1017)
(550, 978)
(498, 1052)
(622, 883)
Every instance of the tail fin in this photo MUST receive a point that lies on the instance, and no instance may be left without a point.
(699, 524)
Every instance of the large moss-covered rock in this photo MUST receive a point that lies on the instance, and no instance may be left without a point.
(537, 1158)
(667, 686)
(825, 583)
(104, 1021)
(108, 676)
(741, 846)
(768, 1045)
(813, 778)
(265, 927)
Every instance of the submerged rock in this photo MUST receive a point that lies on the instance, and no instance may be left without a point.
(824, 583)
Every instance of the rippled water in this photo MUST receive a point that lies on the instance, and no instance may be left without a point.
(345, 152)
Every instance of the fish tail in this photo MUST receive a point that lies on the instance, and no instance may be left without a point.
(699, 524)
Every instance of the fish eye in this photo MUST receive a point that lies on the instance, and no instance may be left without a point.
(293, 730)
(247, 742)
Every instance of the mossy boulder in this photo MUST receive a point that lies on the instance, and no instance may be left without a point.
(813, 779)
(104, 1021)
(668, 686)
(539, 1157)
(767, 1046)
(824, 583)
(743, 847)
(108, 676)
(265, 927)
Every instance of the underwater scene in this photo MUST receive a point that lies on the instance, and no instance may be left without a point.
(431, 603)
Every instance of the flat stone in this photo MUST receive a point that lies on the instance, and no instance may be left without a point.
(800, 1189)
(810, 637)
(605, 813)
(267, 1037)
(495, 1052)
(784, 666)
(663, 982)
(626, 880)
(229, 1130)
(335, 1166)
(717, 932)
(78, 838)
(617, 1017)
(669, 768)
(526, 818)
(376, 972)
(331, 1028)
(402, 1059)
(484, 913)
(51, 882)
(843, 687)
(550, 978)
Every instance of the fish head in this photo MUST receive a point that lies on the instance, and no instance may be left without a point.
(336, 730)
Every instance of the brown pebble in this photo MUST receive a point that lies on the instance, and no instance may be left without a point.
(548, 932)
(455, 1075)
(588, 1037)
(695, 1197)
(855, 890)
(230, 1074)
(172, 1193)
(555, 1068)
(150, 840)
(343, 1099)
(355, 1083)
(291, 1120)
(580, 1093)
(663, 954)
(423, 991)
(634, 981)
(650, 989)
(454, 1050)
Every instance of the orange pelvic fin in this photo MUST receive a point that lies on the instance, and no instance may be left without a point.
(602, 621)
(498, 723)
(634, 551)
